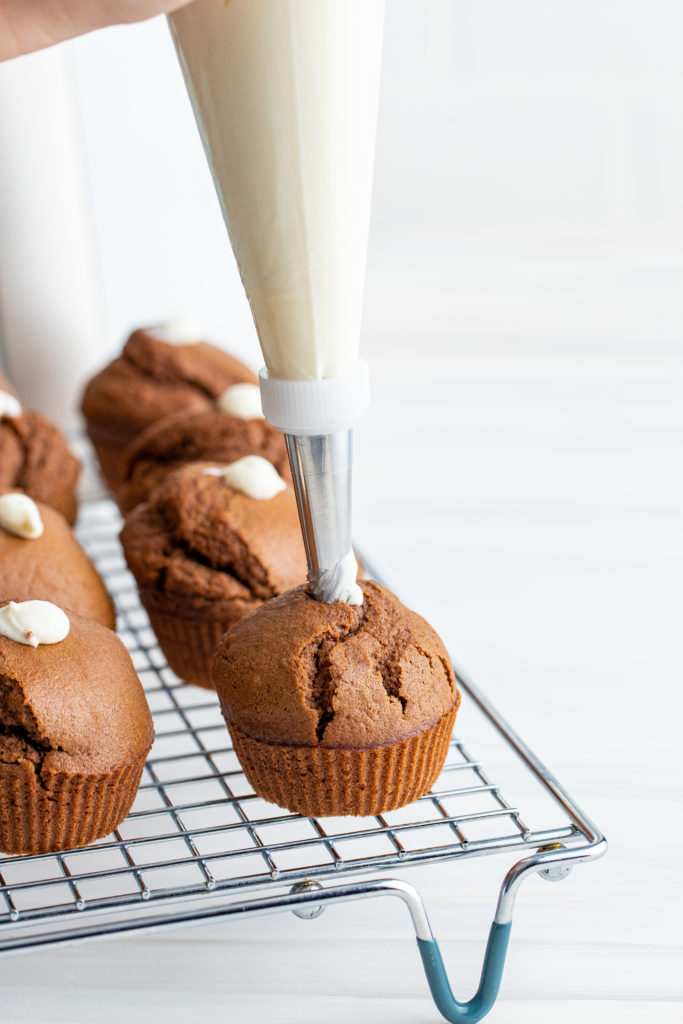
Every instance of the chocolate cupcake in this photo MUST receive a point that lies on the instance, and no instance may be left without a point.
(35, 458)
(41, 558)
(162, 370)
(335, 709)
(235, 427)
(74, 729)
(212, 544)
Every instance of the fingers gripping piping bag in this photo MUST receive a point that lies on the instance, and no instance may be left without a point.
(285, 93)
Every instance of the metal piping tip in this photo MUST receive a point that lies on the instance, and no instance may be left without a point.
(321, 472)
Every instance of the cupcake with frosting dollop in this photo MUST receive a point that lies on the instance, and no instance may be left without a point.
(75, 729)
(35, 457)
(211, 544)
(161, 371)
(232, 428)
(41, 558)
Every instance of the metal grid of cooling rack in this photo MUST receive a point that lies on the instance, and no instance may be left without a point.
(197, 830)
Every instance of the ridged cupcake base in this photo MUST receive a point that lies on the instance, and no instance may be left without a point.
(321, 781)
(61, 811)
(188, 644)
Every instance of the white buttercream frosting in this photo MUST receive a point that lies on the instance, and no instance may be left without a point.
(33, 623)
(338, 583)
(10, 407)
(253, 476)
(20, 515)
(182, 330)
(241, 400)
(286, 94)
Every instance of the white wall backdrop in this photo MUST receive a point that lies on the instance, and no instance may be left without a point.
(528, 187)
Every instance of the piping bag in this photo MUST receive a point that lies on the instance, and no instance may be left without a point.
(285, 94)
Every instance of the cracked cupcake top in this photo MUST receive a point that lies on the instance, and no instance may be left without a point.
(34, 457)
(153, 378)
(74, 706)
(190, 437)
(199, 543)
(302, 673)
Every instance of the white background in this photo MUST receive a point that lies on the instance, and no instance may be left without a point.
(527, 153)
(519, 480)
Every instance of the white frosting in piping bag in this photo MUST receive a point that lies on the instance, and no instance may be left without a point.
(242, 400)
(286, 92)
(34, 622)
(10, 407)
(20, 515)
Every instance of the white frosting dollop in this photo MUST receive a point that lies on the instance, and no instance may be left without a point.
(338, 583)
(19, 515)
(33, 622)
(10, 407)
(241, 400)
(182, 330)
(253, 476)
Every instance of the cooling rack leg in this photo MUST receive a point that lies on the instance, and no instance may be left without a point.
(494, 959)
(491, 974)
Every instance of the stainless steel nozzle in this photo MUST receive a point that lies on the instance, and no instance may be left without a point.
(321, 471)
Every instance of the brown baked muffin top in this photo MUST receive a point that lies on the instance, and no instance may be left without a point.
(202, 544)
(35, 458)
(302, 673)
(152, 379)
(53, 567)
(194, 437)
(74, 706)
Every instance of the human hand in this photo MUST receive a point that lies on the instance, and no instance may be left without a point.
(27, 25)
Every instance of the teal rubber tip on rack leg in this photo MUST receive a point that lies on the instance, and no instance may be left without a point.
(489, 984)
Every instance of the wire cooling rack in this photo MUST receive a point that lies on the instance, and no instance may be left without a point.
(199, 842)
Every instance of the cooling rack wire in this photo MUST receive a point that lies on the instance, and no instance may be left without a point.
(199, 843)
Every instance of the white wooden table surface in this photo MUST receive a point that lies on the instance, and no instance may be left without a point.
(532, 508)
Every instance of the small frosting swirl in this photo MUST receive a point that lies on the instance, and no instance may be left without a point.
(20, 515)
(10, 407)
(241, 400)
(337, 583)
(34, 622)
(253, 476)
(182, 330)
